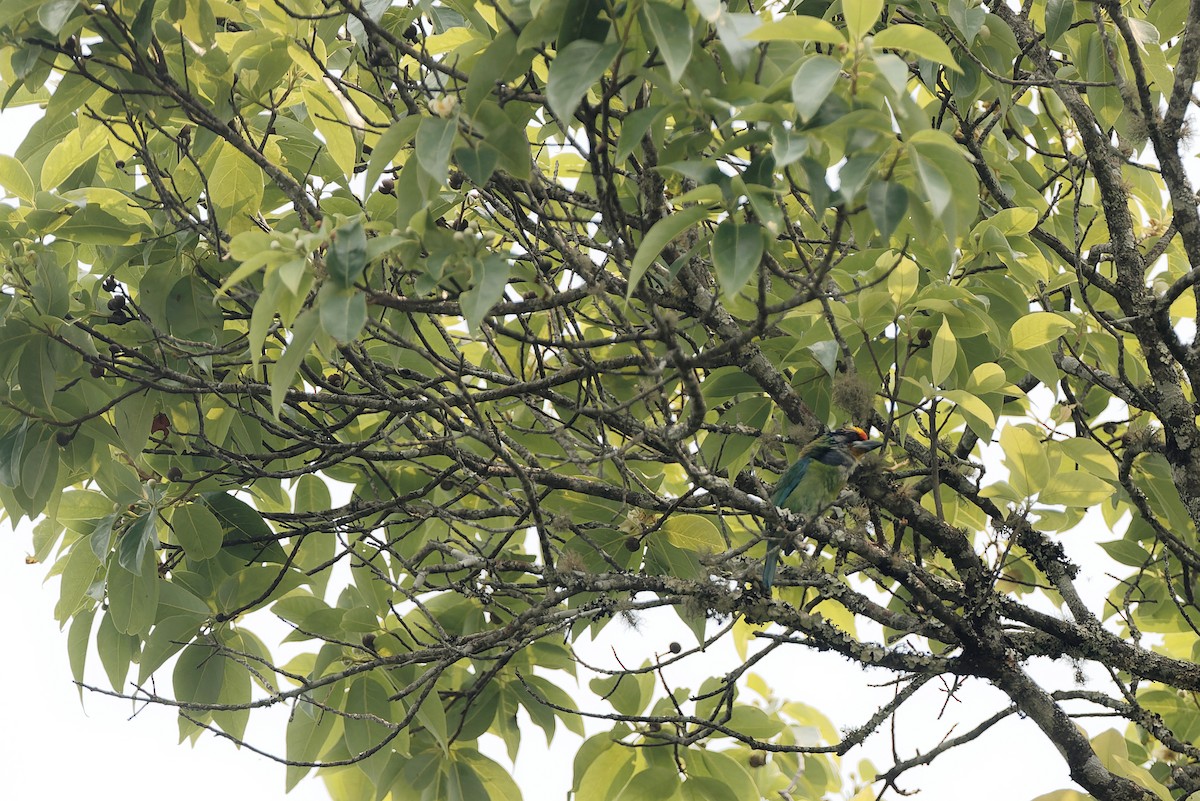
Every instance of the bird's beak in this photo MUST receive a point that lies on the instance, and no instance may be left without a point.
(865, 446)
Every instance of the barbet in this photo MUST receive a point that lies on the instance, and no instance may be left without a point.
(812, 484)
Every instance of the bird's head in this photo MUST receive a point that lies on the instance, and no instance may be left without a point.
(852, 439)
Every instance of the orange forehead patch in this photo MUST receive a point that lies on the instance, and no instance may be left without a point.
(861, 434)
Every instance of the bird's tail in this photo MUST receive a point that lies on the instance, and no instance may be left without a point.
(769, 566)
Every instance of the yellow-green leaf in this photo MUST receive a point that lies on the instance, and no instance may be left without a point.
(1075, 488)
(1091, 456)
(861, 16)
(797, 28)
(693, 532)
(1038, 328)
(919, 41)
(1025, 457)
(945, 353)
(15, 179)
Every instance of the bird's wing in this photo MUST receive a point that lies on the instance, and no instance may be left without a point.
(789, 481)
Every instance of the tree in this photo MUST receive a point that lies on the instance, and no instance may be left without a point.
(547, 294)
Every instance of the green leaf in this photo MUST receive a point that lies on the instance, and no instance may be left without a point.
(672, 32)
(1037, 328)
(813, 82)
(1075, 488)
(1091, 456)
(1127, 553)
(919, 41)
(1059, 16)
(887, 201)
(199, 674)
(53, 15)
(1025, 457)
(192, 312)
(432, 715)
(115, 650)
(583, 19)
(346, 257)
(77, 644)
(236, 184)
(308, 730)
(83, 505)
(937, 187)
(399, 134)
(242, 522)
(326, 113)
(133, 596)
(979, 415)
(861, 16)
(197, 531)
(71, 153)
(606, 776)
(435, 138)
(693, 532)
(15, 179)
(500, 62)
(627, 693)
(79, 569)
(138, 537)
(489, 276)
(92, 225)
(343, 312)
(575, 69)
(737, 251)
(945, 353)
(478, 162)
(304, 334)
(903, 281)
(658, 237)
(797, 28)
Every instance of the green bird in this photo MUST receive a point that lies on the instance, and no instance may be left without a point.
(812, 484)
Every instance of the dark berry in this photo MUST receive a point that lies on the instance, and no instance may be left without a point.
(116, 302)
(63, 438)
(674, 647)
(387, 186)
(97, 371)
(175, 474)
(632, 543)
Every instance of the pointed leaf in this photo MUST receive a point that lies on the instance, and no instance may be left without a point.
(861, 16)
(945, 353)
(575, 69)
(919, 41)
(343, 312)
(737, 251)
(812, 83)
(141, 535)
(347, 254)
(435, 138)
(886, 202)
(672, 32)
(304, 334)
(198, 531)
(658, 237)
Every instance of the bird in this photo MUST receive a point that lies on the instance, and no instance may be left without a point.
(813, 482)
